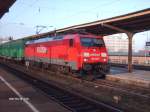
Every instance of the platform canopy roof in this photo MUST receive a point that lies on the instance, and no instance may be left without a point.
(5, 5)
(133, 22)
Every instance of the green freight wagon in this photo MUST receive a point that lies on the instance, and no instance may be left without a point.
(1, 48)
(13, 49)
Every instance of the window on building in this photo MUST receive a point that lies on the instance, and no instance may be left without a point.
(135, 62)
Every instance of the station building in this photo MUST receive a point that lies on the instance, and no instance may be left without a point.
(117, 46)
(118, 43)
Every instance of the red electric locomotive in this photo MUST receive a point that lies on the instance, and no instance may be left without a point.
(76, 52)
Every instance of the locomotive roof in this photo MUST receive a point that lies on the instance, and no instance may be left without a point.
(45, 39)
(60, 37)
(39, 40)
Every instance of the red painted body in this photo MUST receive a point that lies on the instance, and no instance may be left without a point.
(68, 51)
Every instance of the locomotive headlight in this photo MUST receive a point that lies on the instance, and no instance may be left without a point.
(103, 54)
(85, 60)
(86, 54)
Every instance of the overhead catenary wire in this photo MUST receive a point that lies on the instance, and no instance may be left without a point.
(91, 9)
(71, 16)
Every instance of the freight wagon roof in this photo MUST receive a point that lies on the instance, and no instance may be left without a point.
(134, 22)
(15, 41)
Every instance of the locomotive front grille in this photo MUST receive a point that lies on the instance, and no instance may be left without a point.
(87, 67)
(95, 66)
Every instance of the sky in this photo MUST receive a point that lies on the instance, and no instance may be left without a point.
(25, 15)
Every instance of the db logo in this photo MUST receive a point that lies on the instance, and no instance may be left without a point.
(41, 49)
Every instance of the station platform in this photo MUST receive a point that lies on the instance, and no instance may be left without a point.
(137, 77)
(19, 96)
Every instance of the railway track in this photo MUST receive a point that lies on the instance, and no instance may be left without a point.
(128, 95)
(129, 89)
(68, 99)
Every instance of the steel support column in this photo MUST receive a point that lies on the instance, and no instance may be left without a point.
(130, 36)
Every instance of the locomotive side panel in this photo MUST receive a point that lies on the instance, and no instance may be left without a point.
(59, 50)
(73, 53)
(29, 52)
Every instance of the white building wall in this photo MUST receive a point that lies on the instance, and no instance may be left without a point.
(117, 43)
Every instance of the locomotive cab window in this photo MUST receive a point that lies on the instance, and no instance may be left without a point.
(92, 42)
(71, 42)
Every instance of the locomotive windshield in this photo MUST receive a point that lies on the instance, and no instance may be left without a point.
(91, 42)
